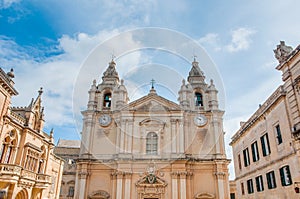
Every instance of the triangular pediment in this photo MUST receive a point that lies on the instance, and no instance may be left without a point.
(152, 103)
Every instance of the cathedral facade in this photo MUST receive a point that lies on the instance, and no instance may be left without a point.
(152, 147)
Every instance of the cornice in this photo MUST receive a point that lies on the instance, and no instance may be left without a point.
(5, 81)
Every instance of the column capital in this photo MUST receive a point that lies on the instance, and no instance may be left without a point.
(174, 174)
(127, 175)
(220, 175)
(121, 174)
(83, 174)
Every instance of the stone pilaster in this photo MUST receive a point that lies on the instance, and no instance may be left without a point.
(181, 137)
(217, 135)
(129, 133)
(127, 193)
(174, 136)
(87, 134)
(122, 139)
(182, 177)
(114, 184)
(174, 185)
(220, 177)
(118, 137)
(82, 175)
(119, 193)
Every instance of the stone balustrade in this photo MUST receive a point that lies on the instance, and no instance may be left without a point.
(15, 173)
(10, 169)
(43, 178)
(28, 174)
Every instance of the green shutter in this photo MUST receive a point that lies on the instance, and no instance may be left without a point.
(263, 146)
(282, 176)
(268, 143)
(288, 173)
(269, 181)
(257, 183)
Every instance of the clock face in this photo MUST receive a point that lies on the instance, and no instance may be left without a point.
(104, 120)
(200, 120)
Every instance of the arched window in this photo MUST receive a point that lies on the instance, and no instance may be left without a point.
(2, 152)
(8, 154)
(107, 100)
(151, 143)
(8, 147)
(198, 99)
(42, 160)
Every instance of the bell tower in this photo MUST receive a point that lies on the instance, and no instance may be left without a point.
(104, 98)
(200, 102)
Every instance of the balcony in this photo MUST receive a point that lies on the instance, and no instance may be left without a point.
(42, 181)
(16, 174)
(28, 175)
(10, 172)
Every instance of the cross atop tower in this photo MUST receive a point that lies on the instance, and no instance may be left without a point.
(194, 56)
(152, 83)
(113, 56)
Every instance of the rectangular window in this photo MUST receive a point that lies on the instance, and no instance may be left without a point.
(151, 143)
(250, 186)
(259, 183)
(278, 134)
(242, 188)
(232, 196)
(71, 192)
(271, 180)
(246, 157)
(285, 176)
(265, 144)
(239, 161)
(255, 154)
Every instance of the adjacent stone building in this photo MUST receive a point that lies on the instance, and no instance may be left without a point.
(69, 151)
(266, 148)
(28, 167)
(152, 147)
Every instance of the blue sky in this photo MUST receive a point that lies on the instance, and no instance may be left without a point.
(47, 42)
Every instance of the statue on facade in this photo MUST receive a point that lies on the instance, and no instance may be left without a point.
(282, 52)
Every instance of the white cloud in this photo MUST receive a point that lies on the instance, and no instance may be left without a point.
(211, 39)
(93, 16)
(9, 49)
(57, 74)
(81, 44)
(240, 39)
(7, 3)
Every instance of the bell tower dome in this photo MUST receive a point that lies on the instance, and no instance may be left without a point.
(109, 94)
(196, 77)
(111, 76)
